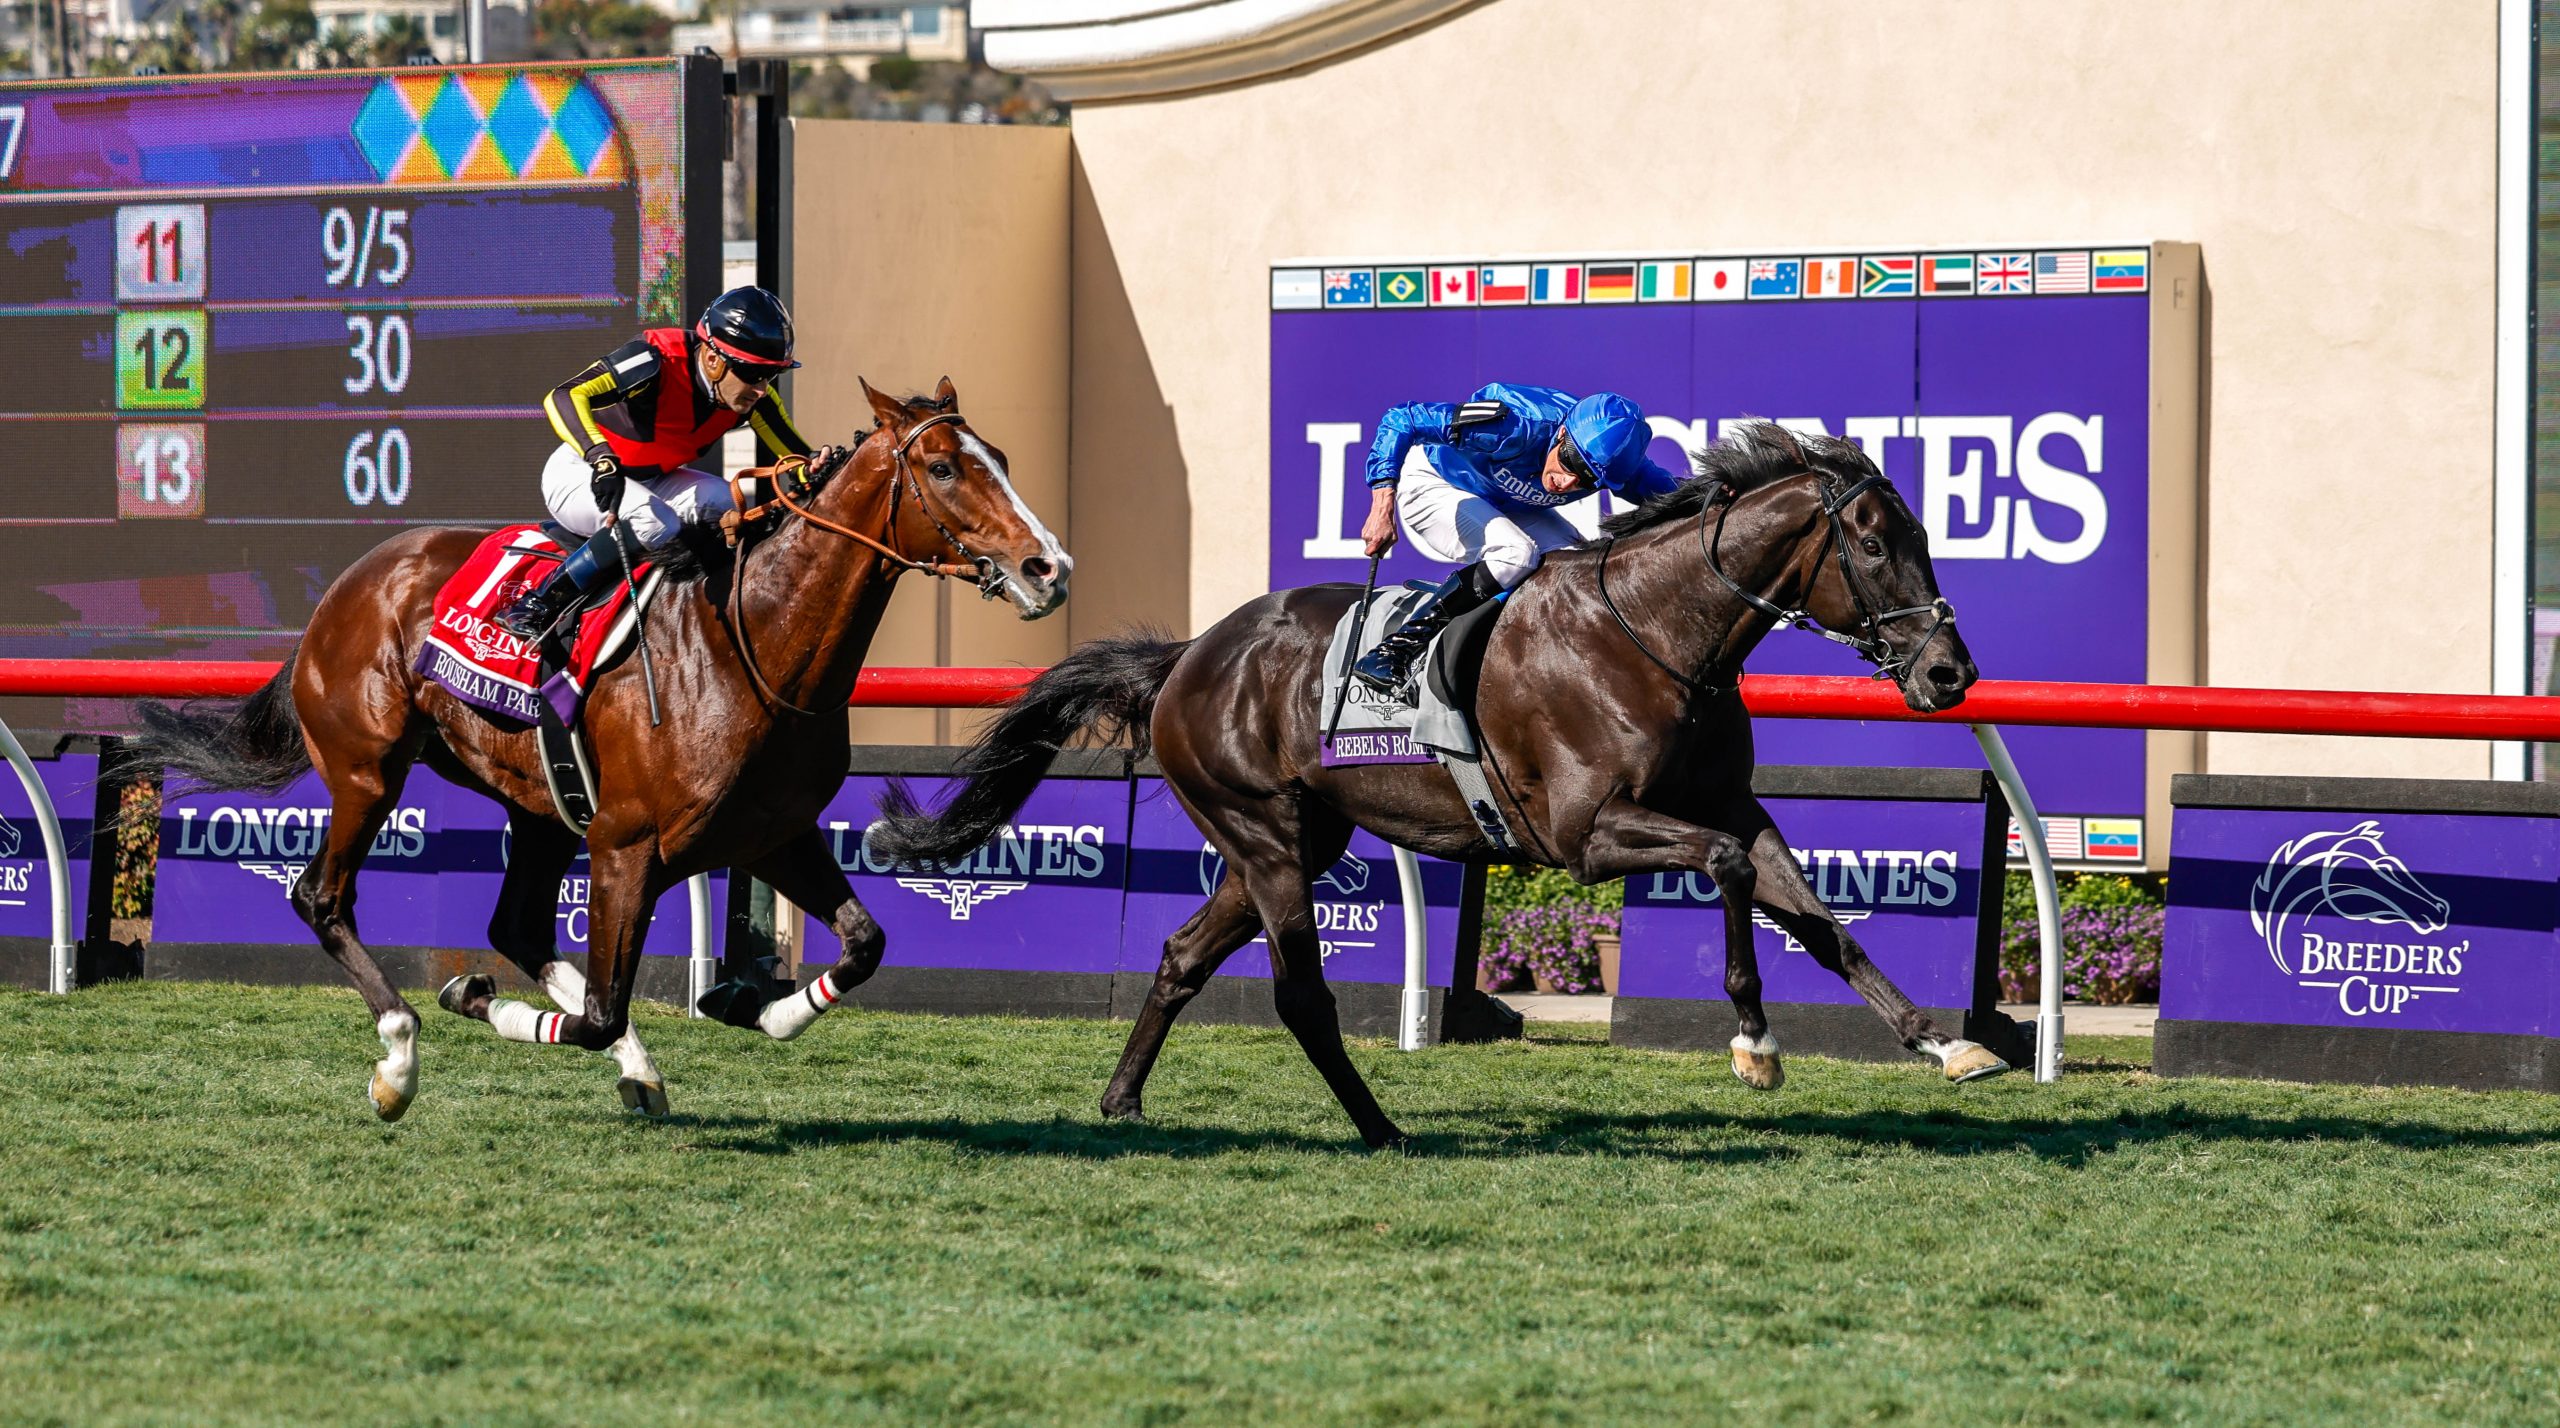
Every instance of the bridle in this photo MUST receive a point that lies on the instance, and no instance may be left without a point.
(1869, 642)
(980, 570)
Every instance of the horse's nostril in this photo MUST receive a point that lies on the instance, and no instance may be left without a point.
(1038, 568)
(1945, 676)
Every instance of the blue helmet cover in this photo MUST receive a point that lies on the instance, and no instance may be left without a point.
(1611, 434)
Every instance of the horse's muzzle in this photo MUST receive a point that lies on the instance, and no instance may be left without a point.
(1037, 585)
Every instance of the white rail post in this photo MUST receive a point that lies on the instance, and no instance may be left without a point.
(2048, 902)
(65, 969)
(703, 968)
(1415, 1011)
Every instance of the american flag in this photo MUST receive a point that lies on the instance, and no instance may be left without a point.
(2005, 273)
(2062, 272)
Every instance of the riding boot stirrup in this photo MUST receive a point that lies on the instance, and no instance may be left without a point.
(537, 610)
(1388, 667)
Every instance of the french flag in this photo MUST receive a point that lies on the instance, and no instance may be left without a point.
(1556, 282)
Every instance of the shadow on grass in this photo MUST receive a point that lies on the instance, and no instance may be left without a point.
(1692, 1136)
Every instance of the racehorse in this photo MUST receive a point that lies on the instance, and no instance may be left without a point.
(1610, 716)
(755, 671)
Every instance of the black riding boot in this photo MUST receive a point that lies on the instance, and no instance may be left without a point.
(534, 613)
(1387, 668)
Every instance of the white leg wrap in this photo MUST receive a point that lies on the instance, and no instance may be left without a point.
(791, 1015)
(1949, 1047)
(399, 1064)
(517, 1021)
(1767, 1045)
(568, 988)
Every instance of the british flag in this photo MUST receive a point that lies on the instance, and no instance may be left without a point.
(2005, 273)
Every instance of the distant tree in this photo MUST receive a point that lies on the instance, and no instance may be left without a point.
(217, 31)
(896, 72)
(276, 34)
(598, 29)
(343, 48)
(400, 37)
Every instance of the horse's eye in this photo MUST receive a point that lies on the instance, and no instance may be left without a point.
(1874, 547)
(941, 470)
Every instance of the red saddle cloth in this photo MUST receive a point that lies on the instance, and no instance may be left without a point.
(487, 668)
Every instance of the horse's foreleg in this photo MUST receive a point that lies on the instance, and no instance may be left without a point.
(1627, 839)
(622, 884)
(1792, 905)
(1224, 923)
(361, 795)
(804, 870)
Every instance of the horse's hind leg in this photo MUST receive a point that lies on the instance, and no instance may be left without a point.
(1792, 904)
(364, 783)
(1224, 923)
(524, 929)
(804, 870)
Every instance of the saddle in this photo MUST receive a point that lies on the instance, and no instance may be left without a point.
(1438, 725)
(542, 683)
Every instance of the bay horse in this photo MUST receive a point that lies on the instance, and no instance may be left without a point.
(754, 672)
(1610, 716)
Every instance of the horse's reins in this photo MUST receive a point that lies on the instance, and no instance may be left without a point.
(981, 570)
(1870, 643)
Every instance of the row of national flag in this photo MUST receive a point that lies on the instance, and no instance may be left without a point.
(2084, 840)
(1985, 274)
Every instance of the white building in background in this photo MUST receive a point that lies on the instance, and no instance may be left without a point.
(440, 19)
(856, 35)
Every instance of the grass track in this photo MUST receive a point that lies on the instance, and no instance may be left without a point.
(912, 1218)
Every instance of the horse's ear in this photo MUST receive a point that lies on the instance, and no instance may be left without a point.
(946, 395)
(889, 410)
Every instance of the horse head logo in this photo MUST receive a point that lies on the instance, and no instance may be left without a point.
(2345, 875)
(1348, 877)
(11, 840)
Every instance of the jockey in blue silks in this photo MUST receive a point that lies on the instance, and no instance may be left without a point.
(1480, 481)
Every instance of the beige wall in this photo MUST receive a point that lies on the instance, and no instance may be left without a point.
(929, 250)
(2334, 161)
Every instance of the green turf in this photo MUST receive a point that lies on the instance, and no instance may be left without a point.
(905, 1218)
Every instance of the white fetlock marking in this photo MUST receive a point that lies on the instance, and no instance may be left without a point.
(399, 1065)
(1949, 1049)
(517, 1021)
(567, 987)
(791, 1015)
(1767, 1045)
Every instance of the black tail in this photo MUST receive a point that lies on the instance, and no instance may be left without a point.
(253, 743)
(1107, 686)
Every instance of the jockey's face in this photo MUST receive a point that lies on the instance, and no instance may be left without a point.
(728, 387)
(1558, 477)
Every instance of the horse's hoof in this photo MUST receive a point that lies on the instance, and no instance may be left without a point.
(460, 993)
(649, 1098)
(1755, 1063)
(1968, 1062)
(389, 1101)
(1129, 1111)
(735, 1003)
(1389, 1139)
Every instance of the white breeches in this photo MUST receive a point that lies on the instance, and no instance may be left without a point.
(652, 509)
(1446, 523)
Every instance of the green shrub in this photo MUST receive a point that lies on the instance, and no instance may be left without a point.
(1508, 890)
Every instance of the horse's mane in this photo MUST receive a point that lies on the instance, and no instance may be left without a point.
(699, 553)
(1751, 455)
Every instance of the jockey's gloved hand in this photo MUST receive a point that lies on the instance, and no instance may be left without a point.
(605, 482)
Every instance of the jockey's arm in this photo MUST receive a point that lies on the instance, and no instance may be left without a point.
(773, 428)
(571, 405)
(1402, 429)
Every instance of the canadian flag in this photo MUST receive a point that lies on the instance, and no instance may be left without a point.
(1453, 287)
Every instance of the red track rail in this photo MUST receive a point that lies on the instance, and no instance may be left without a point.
(1773, 696)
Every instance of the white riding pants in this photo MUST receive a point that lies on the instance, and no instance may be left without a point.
(652, 509)
(1446, 523)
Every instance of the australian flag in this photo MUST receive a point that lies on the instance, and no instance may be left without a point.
(1350, 287)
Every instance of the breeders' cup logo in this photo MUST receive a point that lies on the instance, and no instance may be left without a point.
(11, 840)
(2351, 877)
(16, 879)
(1016, 857)
(1346, 911)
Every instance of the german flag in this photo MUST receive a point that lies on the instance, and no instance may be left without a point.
(1609, 282)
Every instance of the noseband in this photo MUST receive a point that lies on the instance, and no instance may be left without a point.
(1869, 643)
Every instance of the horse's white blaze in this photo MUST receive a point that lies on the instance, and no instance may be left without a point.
(568, 987)
(978, 450)
(791, 1015)
(399, 1065)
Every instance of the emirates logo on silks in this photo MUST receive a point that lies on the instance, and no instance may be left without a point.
(2349, 877)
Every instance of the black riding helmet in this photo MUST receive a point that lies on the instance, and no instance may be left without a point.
(751, 328)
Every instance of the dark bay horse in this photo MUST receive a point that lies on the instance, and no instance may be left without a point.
(753, 673)
(1611, 720)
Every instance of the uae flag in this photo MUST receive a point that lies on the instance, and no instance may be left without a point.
(1453, 287)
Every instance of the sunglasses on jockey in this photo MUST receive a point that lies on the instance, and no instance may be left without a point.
(1574, 461)
(752, 370)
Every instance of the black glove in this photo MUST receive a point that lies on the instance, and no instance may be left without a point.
(606, 482)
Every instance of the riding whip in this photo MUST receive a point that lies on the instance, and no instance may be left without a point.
(1343, 696)
(639, 623)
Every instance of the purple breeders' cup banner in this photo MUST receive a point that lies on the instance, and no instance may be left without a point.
(2026, 453)
(472, 844)
(2402, 921)
(228, 861)
(26, 886)
(1043, 895)
(1905, 878)
(1359, 908)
